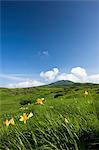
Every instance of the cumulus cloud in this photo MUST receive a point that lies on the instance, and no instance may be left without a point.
(65, 76)
(50, 75)
(77, 74)
(78, 71)
(29, 83)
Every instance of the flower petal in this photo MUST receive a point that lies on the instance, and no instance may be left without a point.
(12, 121)
(30, 115)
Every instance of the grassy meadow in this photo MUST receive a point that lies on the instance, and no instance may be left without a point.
(67, 119)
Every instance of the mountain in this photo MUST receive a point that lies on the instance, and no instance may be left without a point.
(62, 83)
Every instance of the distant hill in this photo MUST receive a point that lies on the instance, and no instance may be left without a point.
(67, 83)
(62, 83)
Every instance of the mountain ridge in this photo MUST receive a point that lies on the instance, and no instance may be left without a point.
(61, 83)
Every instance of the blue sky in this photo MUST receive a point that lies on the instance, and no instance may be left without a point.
(40, 36)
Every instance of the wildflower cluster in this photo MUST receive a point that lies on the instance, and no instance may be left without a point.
(23, 118)
(9, 122)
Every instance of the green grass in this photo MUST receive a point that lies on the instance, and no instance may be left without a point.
(47, 129)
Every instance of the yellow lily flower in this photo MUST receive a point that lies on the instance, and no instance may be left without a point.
(12, 121)
(7, 122)
(24, 118)
(86, 93)
(40, 101)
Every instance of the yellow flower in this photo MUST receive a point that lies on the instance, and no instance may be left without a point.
(30, 115)
(40, 101)
(12, 121)
(86, 93)
(7, 122)
(24, 118)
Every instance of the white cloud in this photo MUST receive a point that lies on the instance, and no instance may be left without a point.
(65, 76)
(83, 77)
(51, 74)
(28, 83)
(93, 78)
(18, 81)
(77, 74)
(78, 71)
(44, 53)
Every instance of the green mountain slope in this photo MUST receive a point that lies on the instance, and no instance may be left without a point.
(65, 106)
(62, 83)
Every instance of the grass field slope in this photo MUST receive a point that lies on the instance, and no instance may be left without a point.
(59, 116)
